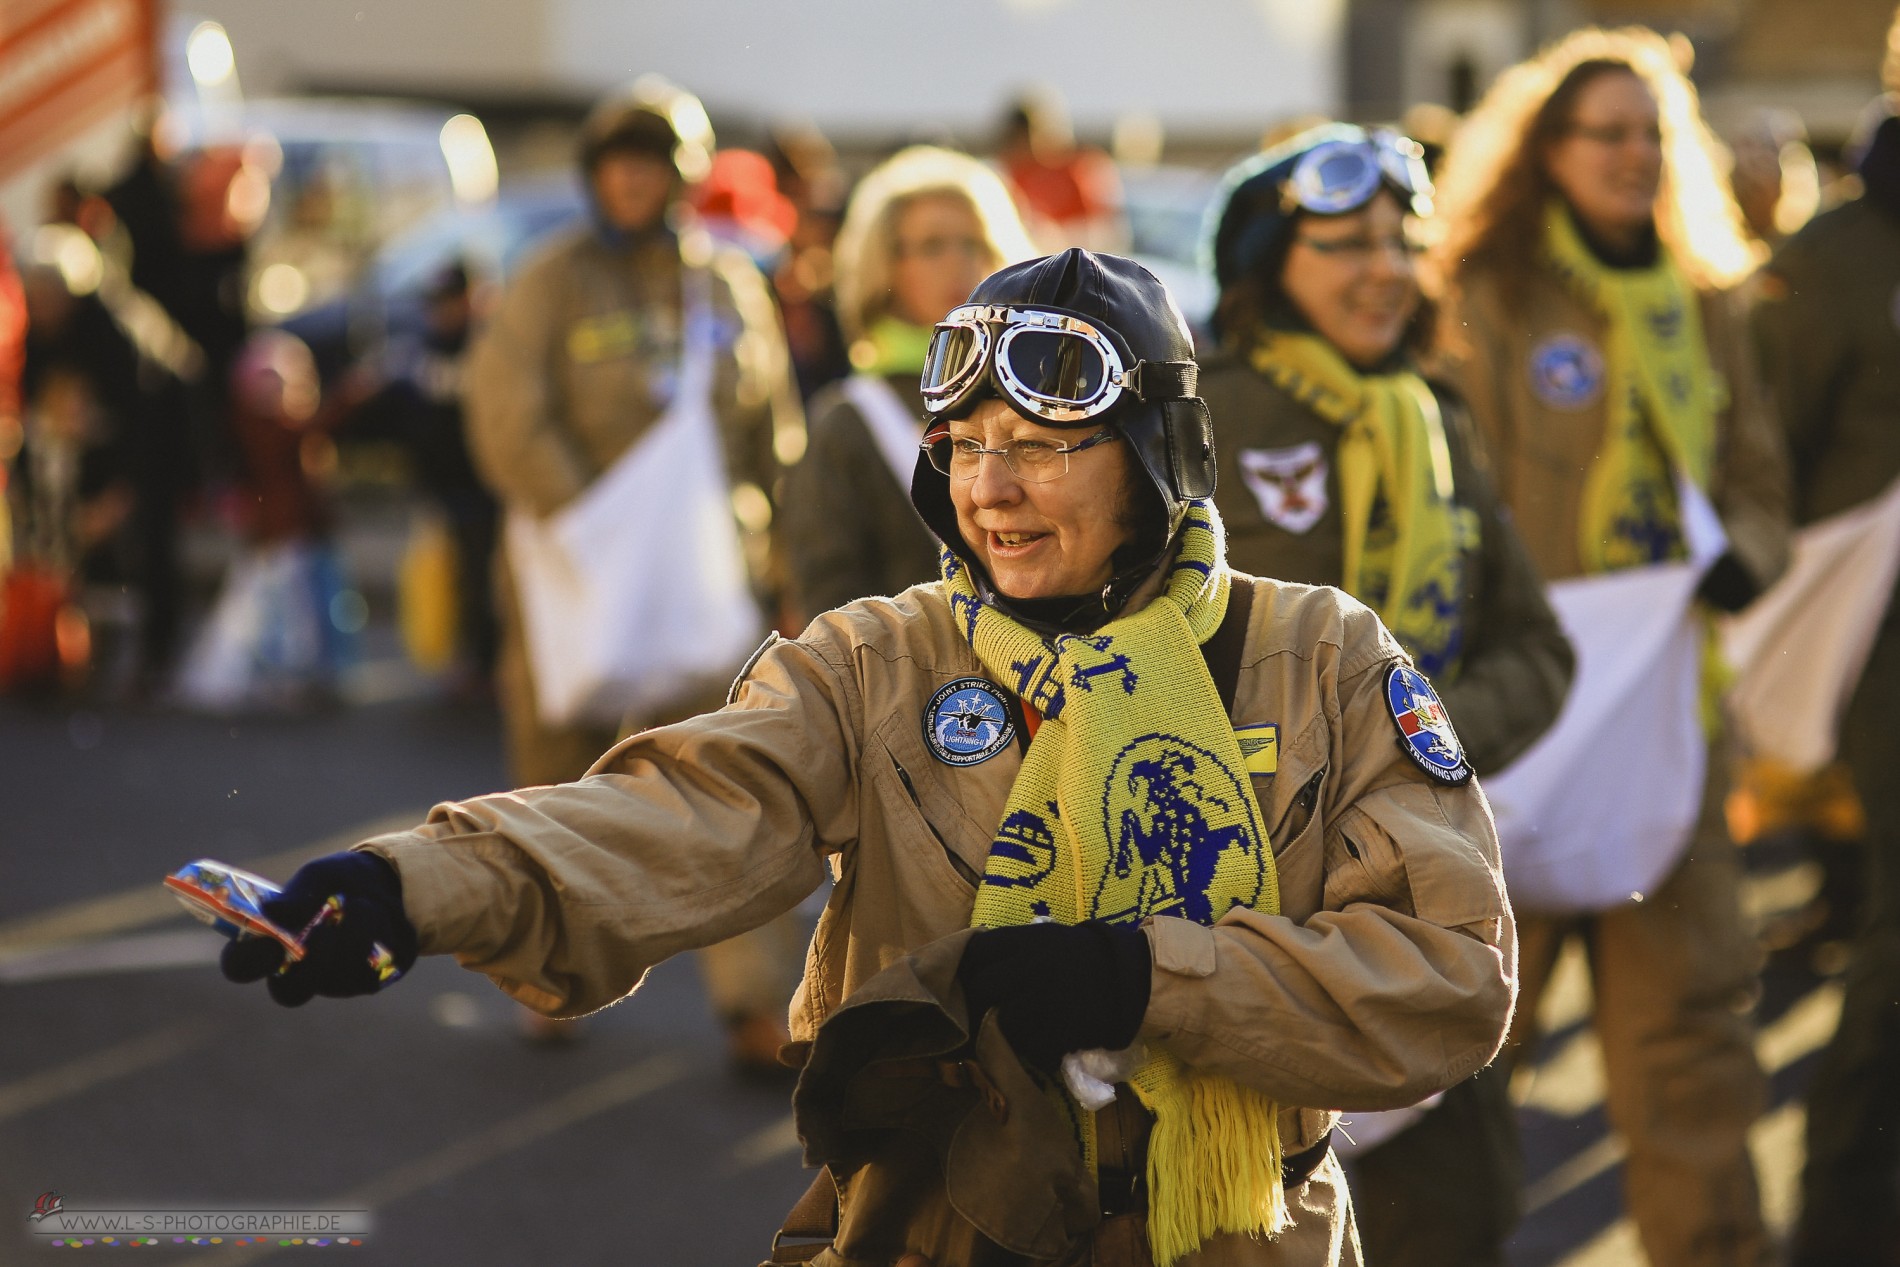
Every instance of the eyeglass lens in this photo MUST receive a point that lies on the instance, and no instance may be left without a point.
(1034, 461)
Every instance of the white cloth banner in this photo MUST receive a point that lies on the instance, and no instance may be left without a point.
(635, 594)
(1599, 809)
(1799, 650)
(892, 425)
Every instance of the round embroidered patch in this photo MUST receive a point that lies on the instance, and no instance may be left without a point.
(1424, 727)
(1566, 371)
(967, 722)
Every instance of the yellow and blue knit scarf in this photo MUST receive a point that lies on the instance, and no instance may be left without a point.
(1407, 540)
(1133, 800)
(1663, 398)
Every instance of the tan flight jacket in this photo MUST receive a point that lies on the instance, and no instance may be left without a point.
(1389, 974)
(562, 380)
(1539, 452)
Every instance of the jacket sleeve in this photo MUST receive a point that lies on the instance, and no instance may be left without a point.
(1804, 349)
(1402, 984)
(1517, 666)
(1468, 359)
(678, 838)
(830, 545)
(514, 429)
(1750, 486)
(764, 424)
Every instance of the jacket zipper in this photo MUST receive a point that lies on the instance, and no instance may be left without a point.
(1306, 799)
(962, 868)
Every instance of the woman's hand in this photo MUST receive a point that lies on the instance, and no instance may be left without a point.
(1058, 988)
(358, 938)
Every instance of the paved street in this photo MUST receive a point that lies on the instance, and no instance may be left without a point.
(131, 1073)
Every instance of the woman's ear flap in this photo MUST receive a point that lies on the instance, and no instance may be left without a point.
(1190, 432)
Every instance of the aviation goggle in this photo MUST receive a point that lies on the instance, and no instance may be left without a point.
(1338, 176)
(1053, 365)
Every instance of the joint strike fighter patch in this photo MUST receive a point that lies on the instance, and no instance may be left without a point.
(967, 722)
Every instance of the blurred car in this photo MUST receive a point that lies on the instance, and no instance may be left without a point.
(346, 177)
(1165, 207)
(491, 239)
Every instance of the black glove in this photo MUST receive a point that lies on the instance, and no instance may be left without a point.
(1059, 988)
(358, 949)
(1727, 586)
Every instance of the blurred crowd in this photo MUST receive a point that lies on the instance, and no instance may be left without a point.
(728, 342)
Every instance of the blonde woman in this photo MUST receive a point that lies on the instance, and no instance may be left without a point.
(1588, 243)
(920, 232)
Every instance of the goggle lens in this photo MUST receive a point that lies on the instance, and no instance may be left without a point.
(1340, 176)
(954, 351)
(1055, 365)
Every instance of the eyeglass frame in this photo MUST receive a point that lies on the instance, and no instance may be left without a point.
(930, 444)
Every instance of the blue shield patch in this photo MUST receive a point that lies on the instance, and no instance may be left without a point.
(1424, 726)
(1566, 371)
(967, 722)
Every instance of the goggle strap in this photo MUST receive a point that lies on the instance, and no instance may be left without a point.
(1163, 380)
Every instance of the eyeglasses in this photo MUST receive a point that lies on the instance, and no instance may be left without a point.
(1032, 461)
(1617, 134)
(1051, 364)
(1338, 176)
(1362, 249)
(936, 248)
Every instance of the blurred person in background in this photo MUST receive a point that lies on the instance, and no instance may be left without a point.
(809, 175)
(921, 231)
(1340, 464)
(118, 362)
(1069, 194)
(12, 365)
(185, 220)
(1588, 244)
(1775, 180)
(414, 394)
(1829, 328)
(739, 203)
(584, 355)
(282, 630)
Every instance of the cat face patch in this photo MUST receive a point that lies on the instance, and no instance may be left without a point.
(1289, 484)
(967, 722)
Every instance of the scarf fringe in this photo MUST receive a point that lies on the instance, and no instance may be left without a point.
(1214, 1160)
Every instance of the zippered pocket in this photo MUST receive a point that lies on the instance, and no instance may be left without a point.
(963, 868)
(1299, 815)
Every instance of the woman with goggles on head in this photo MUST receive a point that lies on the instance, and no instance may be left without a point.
(1588, 242)
(1340, 464)
(921, 231)
(1091, 793)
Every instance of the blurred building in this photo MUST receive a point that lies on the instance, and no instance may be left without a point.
(1819, 58)
(858, 69)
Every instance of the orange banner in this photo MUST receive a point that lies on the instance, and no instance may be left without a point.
(67, 64)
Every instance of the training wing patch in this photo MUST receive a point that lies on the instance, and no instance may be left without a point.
(1259, 746)
(1424, 727)
(1289, 484)
(967, 722)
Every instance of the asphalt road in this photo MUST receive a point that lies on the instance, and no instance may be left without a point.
(131, 1073)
